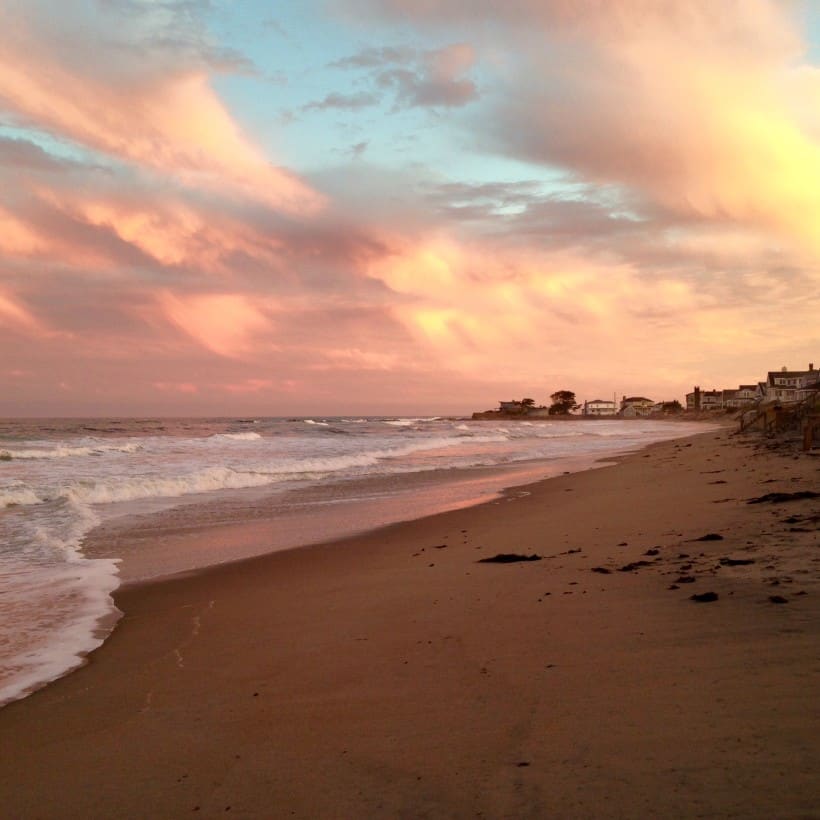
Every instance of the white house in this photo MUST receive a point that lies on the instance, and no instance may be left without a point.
(600, 407)
(745, 395)
(791, 385)
(634, 406)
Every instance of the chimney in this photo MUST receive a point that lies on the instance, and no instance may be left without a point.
(811, 365)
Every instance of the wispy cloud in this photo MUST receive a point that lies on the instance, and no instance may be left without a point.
(420, 78)
(145, 102)
(349, 102)
(225, 323)
(15, 314)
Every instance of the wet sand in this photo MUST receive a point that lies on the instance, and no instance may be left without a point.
(392, 675)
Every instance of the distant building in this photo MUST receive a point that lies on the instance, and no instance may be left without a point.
(693, 399)
(600, 407)
(745, 395)
(667, 408)
(781, 385)
(709, 399)
(634, 406)
(510, 406)
(791, 385)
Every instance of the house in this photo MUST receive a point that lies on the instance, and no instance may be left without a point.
(510, 407)
(745, 395)
(809, 383)
(667, 408)
(600, 407)
(791, 385)
(706, 399)
(782, 385)
(711, 400)
(727, 398)
(635, 406)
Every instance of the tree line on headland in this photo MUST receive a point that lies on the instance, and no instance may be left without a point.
(563, 403)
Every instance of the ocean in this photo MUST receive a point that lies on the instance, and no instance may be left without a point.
(309, 479)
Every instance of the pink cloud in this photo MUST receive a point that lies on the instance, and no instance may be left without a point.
(248, 386)
(482, 311)
(225, 323)
(703, 109)
(15, 315)
(169, 121)
(187, 388)
(684, 220)
(170, 231)
(16, 237)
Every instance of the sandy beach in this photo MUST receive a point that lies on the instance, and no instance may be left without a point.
(394, 675)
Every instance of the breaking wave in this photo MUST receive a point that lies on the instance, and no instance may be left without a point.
(67, 451)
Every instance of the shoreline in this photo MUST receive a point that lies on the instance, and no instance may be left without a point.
(389, 673)
(494, 487)
(454, 488)
(163, 537)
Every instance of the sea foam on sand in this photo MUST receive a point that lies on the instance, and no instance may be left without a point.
(393, 675)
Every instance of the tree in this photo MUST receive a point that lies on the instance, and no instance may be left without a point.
(563, 402)
(528, 402)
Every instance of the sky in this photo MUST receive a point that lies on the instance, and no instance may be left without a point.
(219, 207)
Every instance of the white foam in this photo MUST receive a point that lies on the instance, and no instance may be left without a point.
(18, 495)
(116, 489)
(83, 588)
(65, 451)
(236, 436)
(54, 605)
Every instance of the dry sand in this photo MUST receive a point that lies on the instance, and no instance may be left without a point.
(390, 675)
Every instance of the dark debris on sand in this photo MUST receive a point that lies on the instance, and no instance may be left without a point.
(509, 558)
(710, 536)
(704, 597)
(779, 498)
(634, 565)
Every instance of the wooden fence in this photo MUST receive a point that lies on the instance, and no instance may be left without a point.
(778, 417)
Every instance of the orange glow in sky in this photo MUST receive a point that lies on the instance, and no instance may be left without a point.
(232, 208)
